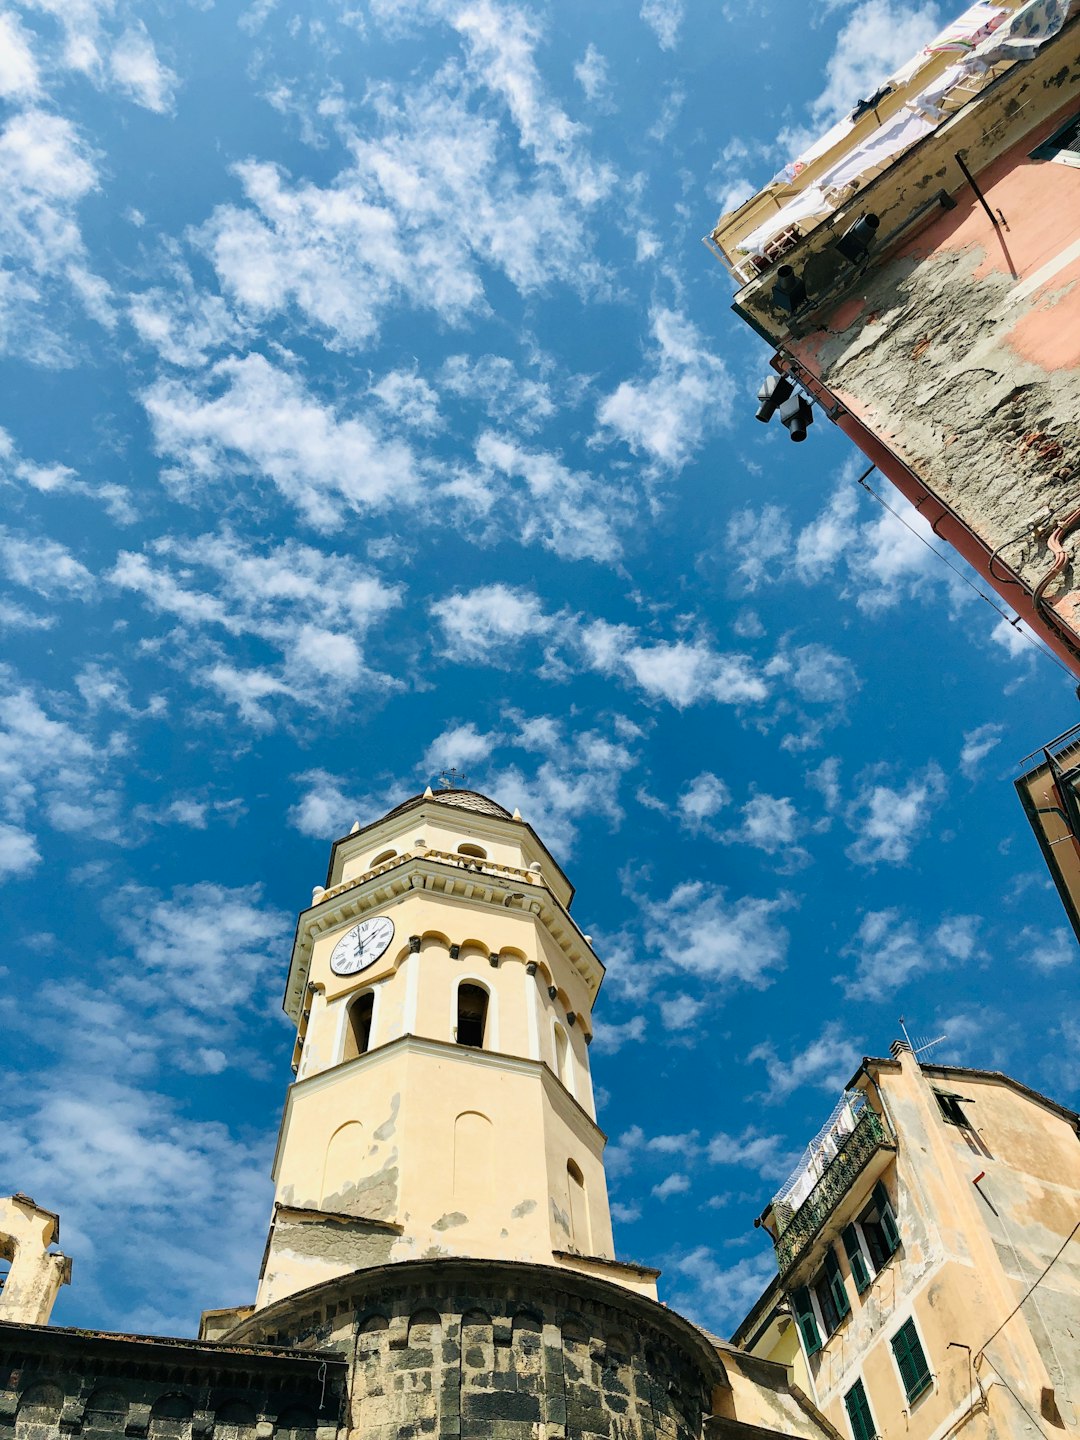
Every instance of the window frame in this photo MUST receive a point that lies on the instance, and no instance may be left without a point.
(922, 1383)
(949, 1104)
(866, 1429)
(1051, 149)
(860, 1261)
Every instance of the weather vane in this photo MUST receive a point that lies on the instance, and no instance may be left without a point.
(453, 779)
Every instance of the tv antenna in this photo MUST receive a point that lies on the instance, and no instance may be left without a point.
(922, 1046)
(453, 779)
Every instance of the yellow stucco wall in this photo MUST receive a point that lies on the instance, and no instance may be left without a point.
(982, 1209)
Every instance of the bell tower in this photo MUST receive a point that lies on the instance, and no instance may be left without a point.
(443, 1102)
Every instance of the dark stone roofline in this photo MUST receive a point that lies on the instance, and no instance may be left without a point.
(152, 1352)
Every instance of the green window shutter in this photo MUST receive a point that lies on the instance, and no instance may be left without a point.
(856, 1259)
(888, 1219)
(858, 1409)
(837, 1287)
(806, 1320)
(911, 1360)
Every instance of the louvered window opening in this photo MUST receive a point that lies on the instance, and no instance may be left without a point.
(858, 1410)
(911, 1361)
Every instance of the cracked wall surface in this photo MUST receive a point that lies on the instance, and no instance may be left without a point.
(961, 352)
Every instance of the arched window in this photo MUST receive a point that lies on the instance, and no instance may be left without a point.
(383, 856)
(474, 852)
(358, 1025)
(579, 1209)
(472, 1008)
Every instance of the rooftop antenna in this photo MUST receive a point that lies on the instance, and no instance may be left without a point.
(453, 779)
(922, 1046)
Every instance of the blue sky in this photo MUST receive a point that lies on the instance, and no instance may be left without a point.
(369, 406)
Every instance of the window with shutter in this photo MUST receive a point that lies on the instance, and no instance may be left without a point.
(806, 1320)
(836, 1284)
(1063, 146)
(860, 1271)
(858, 1409)
(886, 1218)
(911, 1360)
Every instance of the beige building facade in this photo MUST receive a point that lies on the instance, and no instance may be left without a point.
(928, 1249)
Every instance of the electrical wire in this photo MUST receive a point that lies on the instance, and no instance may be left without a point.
(1013, 620)
(1031, 1287)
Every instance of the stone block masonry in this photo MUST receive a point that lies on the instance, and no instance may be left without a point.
(484, 1350)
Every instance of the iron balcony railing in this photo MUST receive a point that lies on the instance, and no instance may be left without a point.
(797, 1228)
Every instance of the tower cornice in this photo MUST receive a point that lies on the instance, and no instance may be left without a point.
(454, 877)
(493, 822)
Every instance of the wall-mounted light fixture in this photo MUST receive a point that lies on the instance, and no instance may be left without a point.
(796, 415)
(854, 244)
(775, 389)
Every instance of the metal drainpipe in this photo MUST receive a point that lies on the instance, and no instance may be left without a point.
(1055, 632)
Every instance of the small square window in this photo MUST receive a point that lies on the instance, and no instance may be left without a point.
(1063, 146)
(951, 1107)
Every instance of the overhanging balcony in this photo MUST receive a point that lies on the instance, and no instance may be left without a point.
(861, 1157)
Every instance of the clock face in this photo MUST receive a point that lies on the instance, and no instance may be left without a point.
(362, 945)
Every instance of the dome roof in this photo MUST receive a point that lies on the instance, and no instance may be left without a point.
(460, 800)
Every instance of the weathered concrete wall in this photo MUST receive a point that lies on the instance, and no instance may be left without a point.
(961, 352)
(502, 1351)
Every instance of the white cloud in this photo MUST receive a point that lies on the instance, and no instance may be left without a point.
(817, 674)
(978, 744)
(888, 822)
(486, 623)
(826, 1063)
(669, 415)
(769, 1155)
(435, 190)
(703, 798)
(609, 1038)
(315, 609)
(200, 940)
(501, 40)
(46, 170)
(493, 382)
(250, 414)
(565, 510)
(772, 824)
(325, 810)
(1047, 949)
(680, 1011)
(591, 73)
(19, 78)
(674, 1184)
(459, 746)
(889, 949)
(681, 672)
(409, 400)
(135, 67)
(56, 479)
(717, 1296)
(18, 851)
(52, 771)
(44, 566)
(663, 17)
(182, 323)
(699, 931)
